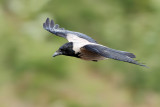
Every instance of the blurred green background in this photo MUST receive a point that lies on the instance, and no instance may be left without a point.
(30, 77)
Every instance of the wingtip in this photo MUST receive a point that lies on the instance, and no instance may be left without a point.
(142, 64)
(47, 22)
(52, 24)
(145, 66)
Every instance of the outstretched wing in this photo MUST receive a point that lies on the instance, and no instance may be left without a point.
(112, 53)
(69, 35)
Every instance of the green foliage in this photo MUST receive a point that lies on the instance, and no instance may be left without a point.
(29, 76)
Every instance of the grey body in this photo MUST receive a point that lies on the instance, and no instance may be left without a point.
(84, 47)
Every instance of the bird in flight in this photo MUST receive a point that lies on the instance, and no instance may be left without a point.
(84, 47)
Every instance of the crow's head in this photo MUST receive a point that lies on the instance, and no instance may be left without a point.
(66, 49)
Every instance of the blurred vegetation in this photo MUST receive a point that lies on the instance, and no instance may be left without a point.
(30, 77)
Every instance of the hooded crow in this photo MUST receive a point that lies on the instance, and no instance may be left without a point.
(84, 47)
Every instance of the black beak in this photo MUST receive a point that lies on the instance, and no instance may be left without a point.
(56, 54)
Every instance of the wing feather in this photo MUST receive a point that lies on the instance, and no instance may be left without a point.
(69, 35)
(54, 28)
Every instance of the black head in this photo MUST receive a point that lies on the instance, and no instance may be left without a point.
(66, 49)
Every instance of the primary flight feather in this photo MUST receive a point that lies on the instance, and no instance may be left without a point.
(84, 47)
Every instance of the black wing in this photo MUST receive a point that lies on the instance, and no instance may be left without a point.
(69, 35)
(112, 53)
